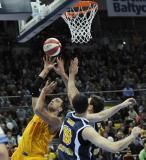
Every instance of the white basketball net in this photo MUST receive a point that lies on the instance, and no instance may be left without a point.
(80, 23)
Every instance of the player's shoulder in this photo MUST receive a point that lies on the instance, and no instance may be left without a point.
(69, 114)
(36, 118)
(88, 132)
(88, 129)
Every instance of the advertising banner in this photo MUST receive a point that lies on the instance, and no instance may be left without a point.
(131, 8)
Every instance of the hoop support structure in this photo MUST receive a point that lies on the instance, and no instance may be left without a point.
(79, 19)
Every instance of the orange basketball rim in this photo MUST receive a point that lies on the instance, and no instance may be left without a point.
(84, 7)
(79, 19)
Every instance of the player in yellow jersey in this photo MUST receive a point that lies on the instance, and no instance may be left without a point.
(44, 124)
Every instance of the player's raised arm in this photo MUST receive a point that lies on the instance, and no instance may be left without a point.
(91, 135)
(59, 69)
(96, 117)
(40, 79)
(73, 70)
(42, 112)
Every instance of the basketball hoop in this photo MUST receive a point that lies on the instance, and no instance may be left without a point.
(79, 19)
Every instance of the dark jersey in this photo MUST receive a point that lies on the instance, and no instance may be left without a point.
(72, 146)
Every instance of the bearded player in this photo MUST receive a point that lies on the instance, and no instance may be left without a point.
(44, 124)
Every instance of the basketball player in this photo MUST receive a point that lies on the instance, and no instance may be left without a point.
(3, 149)
(96, 103)
(77, 135)
(44, 124)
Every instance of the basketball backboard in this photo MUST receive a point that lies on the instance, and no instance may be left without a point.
(43, 14)
(15, 10)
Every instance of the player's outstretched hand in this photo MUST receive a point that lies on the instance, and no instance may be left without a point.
(73, 69)
(48, 63)
(49, 87)
(59, 69)
(129, 102)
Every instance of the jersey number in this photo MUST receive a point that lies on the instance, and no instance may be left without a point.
(67, 135)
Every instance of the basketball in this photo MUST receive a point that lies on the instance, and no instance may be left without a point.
(52, 47)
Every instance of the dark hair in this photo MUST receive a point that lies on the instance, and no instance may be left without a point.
(64, 110)
(80, 103)
(97, 102)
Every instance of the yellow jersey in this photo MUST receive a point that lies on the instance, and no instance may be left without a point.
(51, 156)
(34, 142)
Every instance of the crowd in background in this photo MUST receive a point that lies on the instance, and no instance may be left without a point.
(104, 66)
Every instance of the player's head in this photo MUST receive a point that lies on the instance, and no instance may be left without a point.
(56, 105)
(96, 104)
(80, 103)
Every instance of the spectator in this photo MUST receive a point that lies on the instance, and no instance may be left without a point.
(132, 113)
(136, 146)
(21, 114)
(11, 139)
(112, 130)
(19, 135)
(142, 154)
(128, 92)
(119, 135)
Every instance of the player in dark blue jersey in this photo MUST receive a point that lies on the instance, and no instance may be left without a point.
(96, 104)
(3, 149)
(72, 145)
(77, 135)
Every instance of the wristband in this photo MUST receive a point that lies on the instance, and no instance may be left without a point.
(37, 84)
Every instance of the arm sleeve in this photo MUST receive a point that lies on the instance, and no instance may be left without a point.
(37, 84)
